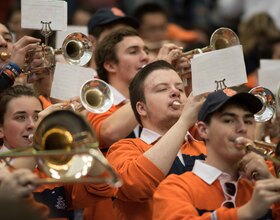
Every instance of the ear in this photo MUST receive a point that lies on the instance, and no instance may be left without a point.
(202, 129)
(110, 66)
(141, 108)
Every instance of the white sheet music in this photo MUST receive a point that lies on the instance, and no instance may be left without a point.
(227, 64)
(68, 80)
(35, 11)
(269, 74)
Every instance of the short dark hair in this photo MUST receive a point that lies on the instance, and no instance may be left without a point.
(106, 49)
(136, 87)
(14, 92)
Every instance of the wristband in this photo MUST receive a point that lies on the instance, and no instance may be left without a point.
(9, 73)
(14, 68)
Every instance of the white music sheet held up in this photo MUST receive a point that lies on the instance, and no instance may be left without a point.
(68, 80)
(224, 64)
(269, 74)
(35, 11)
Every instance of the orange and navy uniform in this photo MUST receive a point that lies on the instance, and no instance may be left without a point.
(55, 197)
(199, 195)
(96, 120)
(139, 175)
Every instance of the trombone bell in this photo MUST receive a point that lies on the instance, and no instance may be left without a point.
(66, 150)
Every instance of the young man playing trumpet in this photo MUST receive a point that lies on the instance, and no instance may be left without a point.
(222, 186)
(166, 114)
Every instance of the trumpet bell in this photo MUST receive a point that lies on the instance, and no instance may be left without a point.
(223, 38)
(77, 49)
(96, 96)
(268, 100)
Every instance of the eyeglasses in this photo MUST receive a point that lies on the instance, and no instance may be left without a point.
(229, 189)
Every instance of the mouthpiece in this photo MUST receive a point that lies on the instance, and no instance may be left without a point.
(30, 137)
(4, 56)
(176, 105)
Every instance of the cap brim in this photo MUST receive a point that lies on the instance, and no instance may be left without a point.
(253, 103)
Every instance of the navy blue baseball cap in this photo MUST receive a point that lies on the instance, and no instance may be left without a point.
(105, 16)
(218, 99)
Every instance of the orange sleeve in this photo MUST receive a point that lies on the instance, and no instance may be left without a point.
(96, 121)
(178, 33)
(139, 175)
(174, 199)
(45, 102)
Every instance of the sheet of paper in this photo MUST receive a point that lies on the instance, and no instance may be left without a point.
(68, 80)
(269, 74)
(212, 69)
(269, 63)
(35, 11)
(61, 35)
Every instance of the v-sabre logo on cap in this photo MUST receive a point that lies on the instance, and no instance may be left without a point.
(229, 92)
(117, 12)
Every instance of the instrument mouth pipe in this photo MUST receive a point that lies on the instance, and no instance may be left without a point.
(267, 150)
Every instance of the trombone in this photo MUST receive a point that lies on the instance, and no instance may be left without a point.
(221, 38)
(95, 96)
(66, 150)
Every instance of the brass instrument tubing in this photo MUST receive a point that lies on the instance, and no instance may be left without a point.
(262, 151)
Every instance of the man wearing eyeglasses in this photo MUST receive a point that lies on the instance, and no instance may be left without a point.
(223, 186)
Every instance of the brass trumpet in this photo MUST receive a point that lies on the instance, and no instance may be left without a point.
(221, 38)
(95, 96)
(77, 49)
(66, 150)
